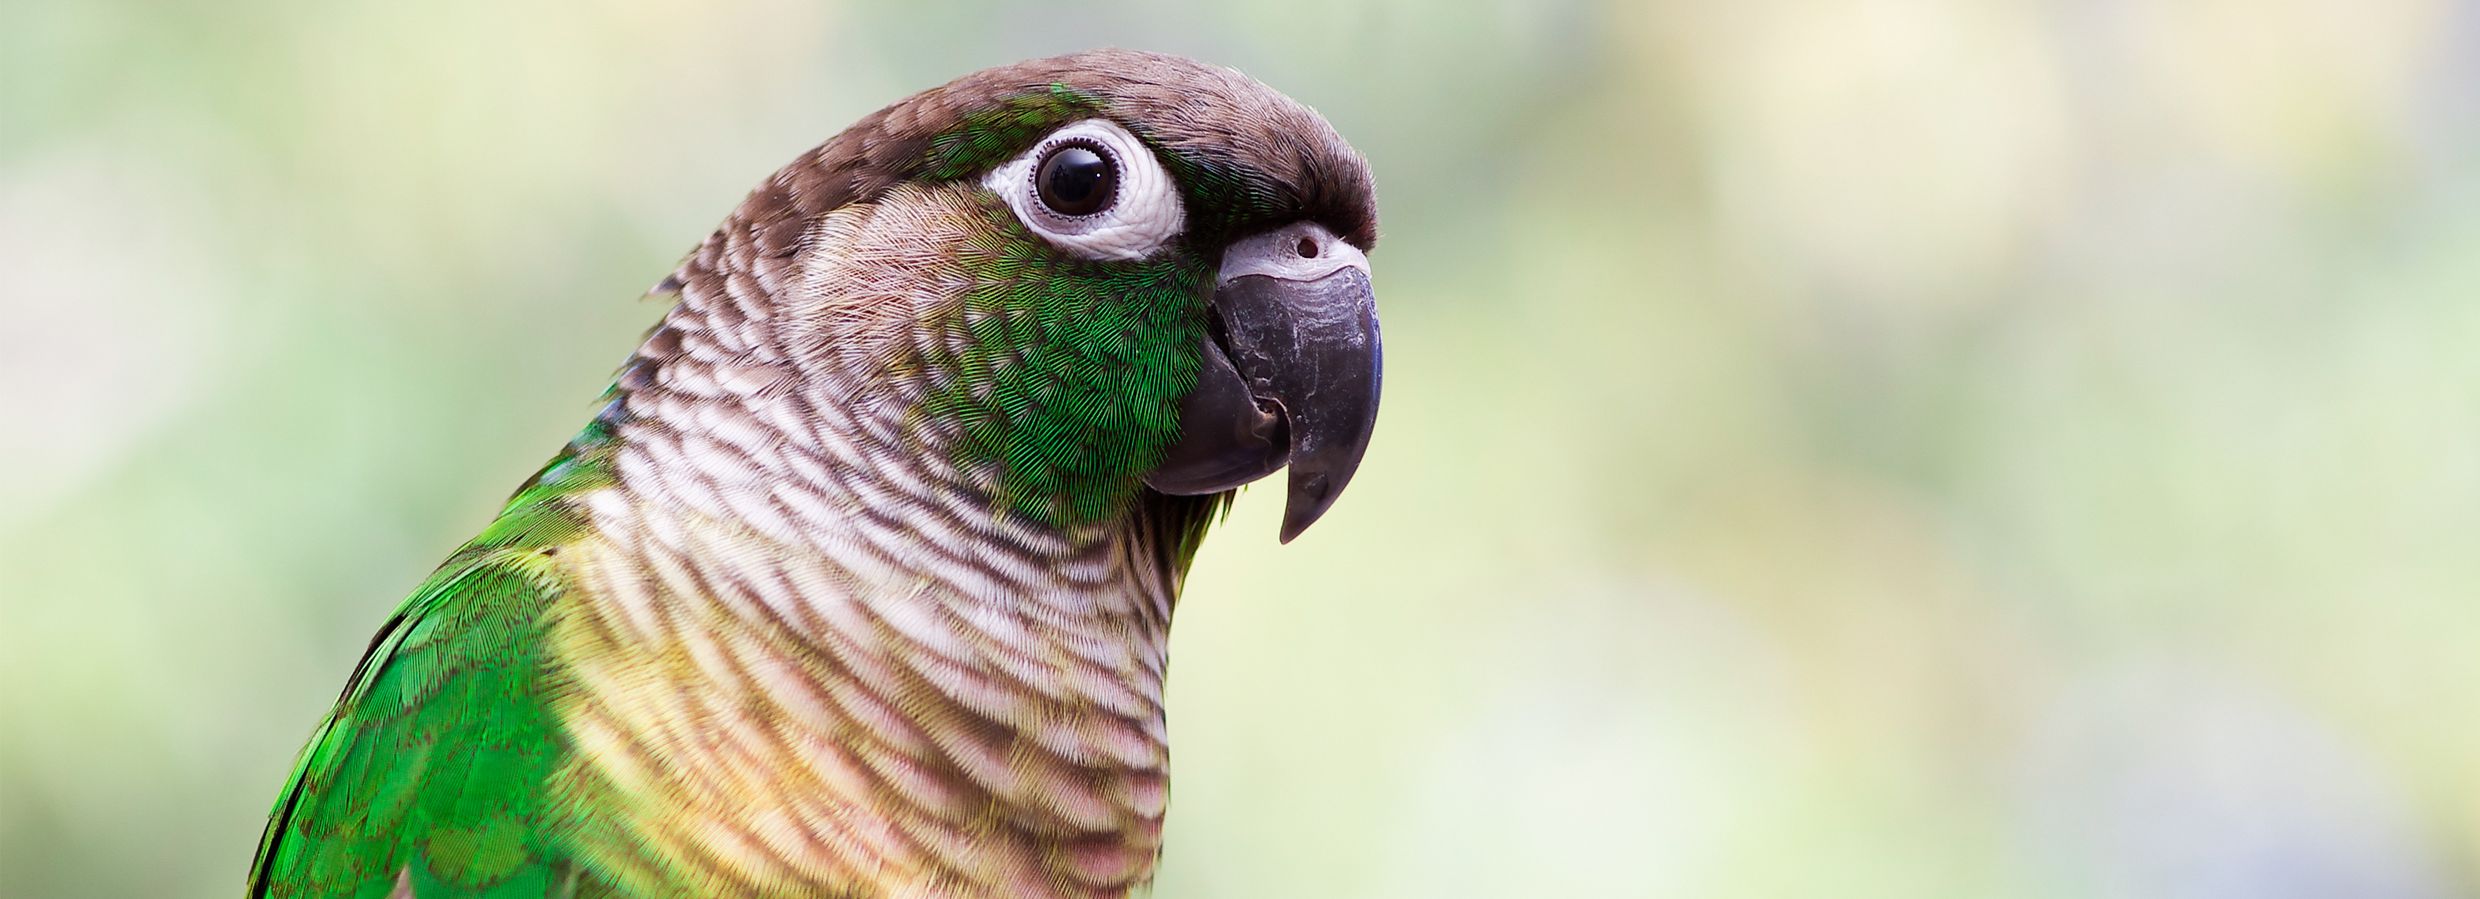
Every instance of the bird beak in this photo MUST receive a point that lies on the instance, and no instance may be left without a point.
(1291, 371)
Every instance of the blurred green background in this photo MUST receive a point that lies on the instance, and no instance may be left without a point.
(1904, 448)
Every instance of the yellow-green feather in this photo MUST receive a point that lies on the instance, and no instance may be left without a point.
(432, 767)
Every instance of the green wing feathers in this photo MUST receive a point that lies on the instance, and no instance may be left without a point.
(433, 762)
(431, 770)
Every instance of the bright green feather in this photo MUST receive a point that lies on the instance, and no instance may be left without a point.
(433, 763)
(988, 136)
(1072, 371)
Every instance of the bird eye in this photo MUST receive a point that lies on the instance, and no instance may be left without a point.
(1093, 190)
(1077, 180)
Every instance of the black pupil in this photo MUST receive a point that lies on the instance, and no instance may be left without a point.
(1075, 181)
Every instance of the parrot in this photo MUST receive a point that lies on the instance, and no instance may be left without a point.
(859, 582)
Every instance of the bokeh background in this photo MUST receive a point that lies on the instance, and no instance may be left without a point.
(1853, 448)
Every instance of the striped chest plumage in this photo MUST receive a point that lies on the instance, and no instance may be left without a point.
(811, 652)
(762, 716)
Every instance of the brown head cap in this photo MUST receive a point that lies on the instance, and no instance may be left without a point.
(1246, 156)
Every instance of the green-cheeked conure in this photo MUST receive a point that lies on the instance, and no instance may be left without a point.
(860, 584)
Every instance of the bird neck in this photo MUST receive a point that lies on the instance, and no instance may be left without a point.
(814, 650)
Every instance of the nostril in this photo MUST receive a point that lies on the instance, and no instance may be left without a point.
(1307, 249)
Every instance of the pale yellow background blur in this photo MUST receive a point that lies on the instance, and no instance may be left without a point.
(1858, 448)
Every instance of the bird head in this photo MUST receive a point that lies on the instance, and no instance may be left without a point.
(1077, 279)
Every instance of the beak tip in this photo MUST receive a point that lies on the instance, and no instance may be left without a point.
(1293, 527)
(1311, 494)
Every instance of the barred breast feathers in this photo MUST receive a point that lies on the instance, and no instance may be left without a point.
(814, 657)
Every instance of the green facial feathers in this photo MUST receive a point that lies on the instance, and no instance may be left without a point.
(1071, 372)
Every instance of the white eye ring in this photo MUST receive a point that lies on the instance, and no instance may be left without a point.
(1144, 216)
